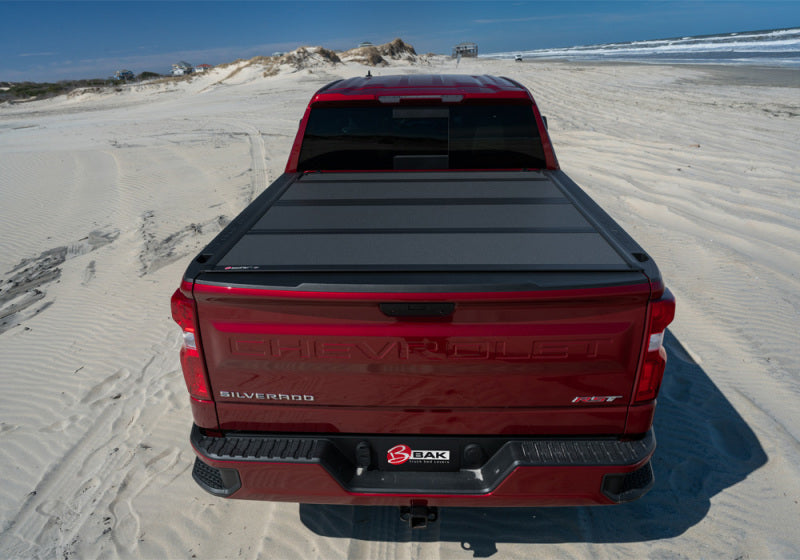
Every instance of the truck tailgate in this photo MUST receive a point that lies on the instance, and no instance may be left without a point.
(513, 362)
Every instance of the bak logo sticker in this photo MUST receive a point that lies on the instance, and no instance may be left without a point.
(400, 454)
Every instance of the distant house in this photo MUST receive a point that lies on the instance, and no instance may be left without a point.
(465, 49)
(123, 75)
(181, 68)
(202, 67)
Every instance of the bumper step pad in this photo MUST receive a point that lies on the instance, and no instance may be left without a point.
(220, 482)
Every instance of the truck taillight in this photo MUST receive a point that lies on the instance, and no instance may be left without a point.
(662, 312)
(194, 370)
(194, 373)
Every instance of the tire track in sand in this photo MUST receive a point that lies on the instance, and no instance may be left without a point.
(259, 176)
(103, 471)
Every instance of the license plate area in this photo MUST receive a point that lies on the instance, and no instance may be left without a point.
(412, 454)
(399, 453)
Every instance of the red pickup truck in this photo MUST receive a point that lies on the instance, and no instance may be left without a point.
(423, 311)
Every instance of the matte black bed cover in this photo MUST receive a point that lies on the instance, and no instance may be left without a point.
(515, 228)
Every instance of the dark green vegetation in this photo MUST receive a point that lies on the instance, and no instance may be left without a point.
(28, 91)
(25, 91)
(147, 76)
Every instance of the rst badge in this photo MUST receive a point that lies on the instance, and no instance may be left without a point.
(596, 399)
(401, 454)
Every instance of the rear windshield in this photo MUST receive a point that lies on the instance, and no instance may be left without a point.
(384, 137)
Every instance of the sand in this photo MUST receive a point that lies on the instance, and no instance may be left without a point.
(105, 196)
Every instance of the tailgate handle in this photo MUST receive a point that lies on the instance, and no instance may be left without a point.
(418, 309)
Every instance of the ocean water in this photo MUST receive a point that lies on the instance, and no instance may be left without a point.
(773, 47)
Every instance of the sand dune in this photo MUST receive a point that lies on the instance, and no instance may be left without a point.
(105, 196)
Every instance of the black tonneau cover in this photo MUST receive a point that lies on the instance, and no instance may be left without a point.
(424, 221)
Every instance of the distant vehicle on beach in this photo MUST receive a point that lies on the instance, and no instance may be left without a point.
(518, 58)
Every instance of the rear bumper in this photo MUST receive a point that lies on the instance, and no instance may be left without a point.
(324, 469)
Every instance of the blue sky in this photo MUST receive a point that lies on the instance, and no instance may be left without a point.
(50, 41)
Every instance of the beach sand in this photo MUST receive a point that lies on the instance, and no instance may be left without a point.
(106, 196)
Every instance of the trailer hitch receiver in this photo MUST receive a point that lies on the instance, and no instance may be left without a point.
(418, 516)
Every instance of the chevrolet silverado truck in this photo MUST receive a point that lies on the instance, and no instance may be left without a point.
(423, 311)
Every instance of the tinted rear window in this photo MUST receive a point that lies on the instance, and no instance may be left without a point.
(413, 137)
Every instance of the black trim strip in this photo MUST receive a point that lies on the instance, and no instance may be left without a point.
(550, 267)
(445, 176)
(367, 231)
(420, 201)
(416, 282)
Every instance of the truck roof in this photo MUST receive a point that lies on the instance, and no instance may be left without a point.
(376, 87)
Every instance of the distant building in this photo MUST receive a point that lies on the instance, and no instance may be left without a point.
(202, 67)
(124, 75)
(465, 49)
(181, 68)
(365, 44)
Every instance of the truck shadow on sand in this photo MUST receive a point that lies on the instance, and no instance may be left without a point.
(704, 446)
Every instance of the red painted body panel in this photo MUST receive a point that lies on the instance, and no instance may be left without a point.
(502, 363)
(588, 420)
(205, 413)
(640, 418)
